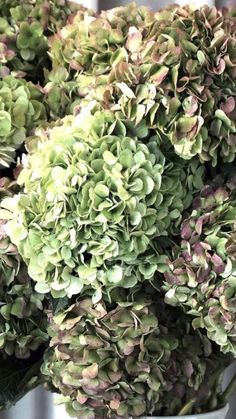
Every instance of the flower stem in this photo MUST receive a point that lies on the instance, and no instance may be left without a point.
(187, 407)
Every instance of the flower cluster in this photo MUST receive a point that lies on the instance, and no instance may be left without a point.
(24, 29)
(175, 69)
(202, 271)
(134, 358)
(22, 323)
(94, 200)
(20, 111)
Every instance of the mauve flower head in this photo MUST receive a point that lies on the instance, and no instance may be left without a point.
(201, 277)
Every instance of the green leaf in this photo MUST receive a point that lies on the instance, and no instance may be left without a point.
(58, 304)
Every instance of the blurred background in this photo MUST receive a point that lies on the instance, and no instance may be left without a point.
(39, 404)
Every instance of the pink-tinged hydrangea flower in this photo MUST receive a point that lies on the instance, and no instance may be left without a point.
(202, 275)
(173, 70)
(132, 358)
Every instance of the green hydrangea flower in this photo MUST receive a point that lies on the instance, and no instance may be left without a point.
(24, 30)
(130, 359)
(93, 43)
(202, 272)
(94, 199)
(21, 109)
(174, 68)
(22, 323)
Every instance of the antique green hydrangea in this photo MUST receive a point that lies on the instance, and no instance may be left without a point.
(22, 323)
(20, 110)
(93, 44)
(202, 272)
(130, 359)
(51, 14)
(24, 29)
(94, 199)
(60, 94)
(174, 68)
